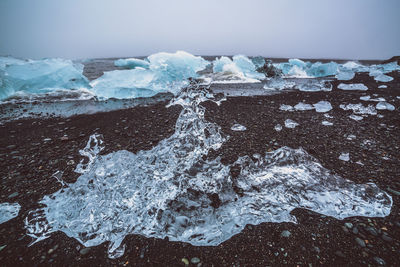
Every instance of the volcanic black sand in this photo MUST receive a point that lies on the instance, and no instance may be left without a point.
(28, 159)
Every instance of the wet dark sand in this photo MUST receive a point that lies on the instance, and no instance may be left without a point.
(27, 163)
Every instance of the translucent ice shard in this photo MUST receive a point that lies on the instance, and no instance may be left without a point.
(132, 63)
(238, 128)
(173, 190)
(290, 124)
(303, 106)
(385, 106)
(279, 84)
(167, 72)
(327, 123)
(8, 211)
(356, 117)
(314, 86)
(40, 76)
(383, 78)
(323, 106)
(278, 127)
(286, 107)
(344, 156)
(352, 86)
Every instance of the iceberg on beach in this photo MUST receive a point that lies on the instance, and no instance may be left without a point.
(300, 69)
(132, 63)
(167, 72)
(39, 76)
(240, 68)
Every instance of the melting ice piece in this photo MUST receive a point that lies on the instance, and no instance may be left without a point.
(167, 73)
(278, 127)
(382, 86)
(322, 106)
(383, 78)
(286, 107)
(40, 76)
(385, 105)
(174, 191)
(344, 156)
(315, 86)
(8, 211)
(345, 75)
(327, 123)
(360, 109)
(132, 63)
(302, 106)
(355, 117)
(352, 86)
(238, 128)
(290, 123)
(279, 84)
(351, 137)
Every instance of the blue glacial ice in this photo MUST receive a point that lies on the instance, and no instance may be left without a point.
(167, 72)
(385, 106)
(300, 69)
(132, 63)
(174, 191)
(323, 106)
(39, 76)
(8, 211)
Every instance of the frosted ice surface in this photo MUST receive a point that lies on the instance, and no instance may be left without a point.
(278, 127)
(359, 109)
(383, 78)
(40, 76)
(356, 117)
(385, 105)
(8, 211)
(322, 106)
(290, 124)
(352, 86)
(344, 156)
(327, 123)
(167, 73)
(132, 63)
(303, 106)
(174, 191)
(286, 107)
(238, 128)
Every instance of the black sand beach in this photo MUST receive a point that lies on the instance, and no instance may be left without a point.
(31, 150)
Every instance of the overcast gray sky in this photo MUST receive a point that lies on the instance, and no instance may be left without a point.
(357, 29)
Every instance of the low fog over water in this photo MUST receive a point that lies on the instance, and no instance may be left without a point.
(356, 29)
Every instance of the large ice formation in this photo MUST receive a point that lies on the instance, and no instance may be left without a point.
(240, 68)
(300, 69)
(167, 72)
(8, 211)
(39, 76)
(132, 63)
(173, 190)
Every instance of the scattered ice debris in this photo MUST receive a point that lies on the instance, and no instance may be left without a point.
(302, 106)
(174, 191)
(40, 76)
(359, 109)
(322, 106)
(132, 63)
(368, 98)
(382, 86)
(238, 128)
(8, 211)
(327, 123)
(279, 84)
(314, 86)
(351, 137)
(356, 117)
(385, 106)
(344, 156)
(290, 123)
(286, 107)
(345, 75)
(352, 86)
(278, 127)
(167, 73)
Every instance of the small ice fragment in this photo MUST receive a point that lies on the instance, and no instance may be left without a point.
(356, 117)
(345, 75)
(326, 115)
(278, 127)
(327, 123)
(382, 86)
(351, 137)
(8, 211)
(365, 98)
(398, 97)
(323, 106)
(352, 86)
(385, 105)
(303, 106)
(290, 123)
(344, 157)
(360, 163)
(286, 107)
(368, 98)
(238, 128)
(383, 78)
